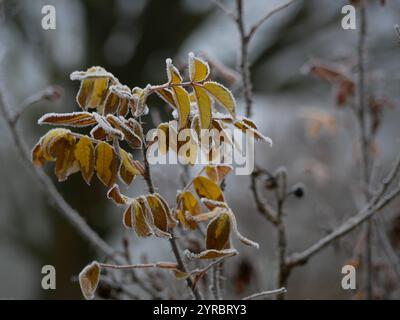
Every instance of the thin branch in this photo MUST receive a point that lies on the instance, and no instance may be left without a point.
(161, 265)
(265, 294)
(49, 188)
(258, 24)
(244, 59)
(302, 257)
(225, 9)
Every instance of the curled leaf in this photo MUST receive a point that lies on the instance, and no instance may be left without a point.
(173, 74)
(88, 280)
(198, 69)
(206, 188)
(210, 254)
(115, 195)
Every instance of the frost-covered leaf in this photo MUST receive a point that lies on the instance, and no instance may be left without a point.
(167, 96)
(65, 162)
(211, 254)
(217, 173)
(89, 279)
(182, 102)
(73, 119)
(140, 218)
(222, 95)
(174, 77)
(132, 166)
(246, 125)
(150, 218)
(130, 136)
(98, 133)
(170, 219)
(84, 155)
(218, 232)
(50, 141)
(115, 195)
(188, 203)
(37, 155)
(106, 164)
(198, 69)
(159, 212)
(204, 104)
(206, 188)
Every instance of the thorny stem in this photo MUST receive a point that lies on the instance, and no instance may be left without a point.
(172, 240)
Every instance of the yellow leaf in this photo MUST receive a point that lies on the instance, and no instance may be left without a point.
(125, 175)
(127, 218)
(167, 96)
(222, 95)
(37, 155)
(130, 136)
(49, 142)
(181, 100)
(84, 155)
(88, 279)
(204, 105)
(206, 188)
(141, 223)
(75, 119)
(98, 133)
(65, 162)
(217, 172)
(129, 164)
(115, 195)
(218, 232)
(106, 163)
(83, 93)
(111, 103)
(189, 203)
(159, 212)
(198, 69)
(149, 218)
(173, 74)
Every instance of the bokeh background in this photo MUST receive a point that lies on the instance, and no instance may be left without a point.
(312, 138)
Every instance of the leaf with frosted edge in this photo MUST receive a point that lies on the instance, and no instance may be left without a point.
(204, 104)
(84, 155)
(127, 218)
(171, 220)
(174, 77)
(166, 95)
(111, 103)
(248, 126)
(140, 217)
(98, 133)
(141, 98)
(159, 212)
(217, 173)
(188, 203)
(37, 155)
(89, 279)
(206, 188)
(182, 102)
(129, 135)
(115, 195)
(50, 141)
(198, 69)
(106, 164)
(109, 130)
(129, 164)
(148, 215)
(222, 95)
(74, 119)
(210, 254)
(218, 232)
(65, 162)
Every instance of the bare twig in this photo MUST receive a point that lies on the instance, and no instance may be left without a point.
(161, 265)
(258, 24)
(225, 9)
(367, 212)
(265, 294)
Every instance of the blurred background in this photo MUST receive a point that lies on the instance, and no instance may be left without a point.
(313, 138)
